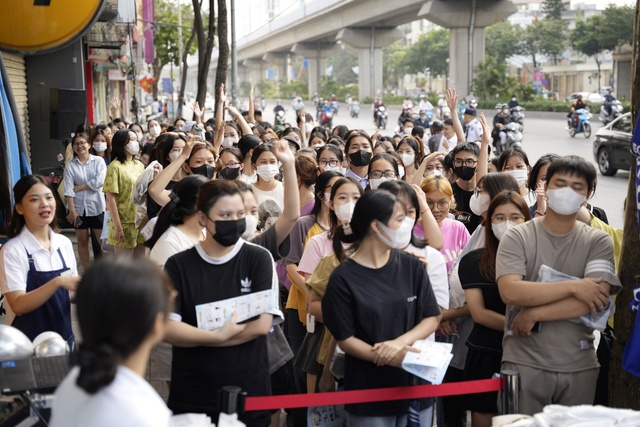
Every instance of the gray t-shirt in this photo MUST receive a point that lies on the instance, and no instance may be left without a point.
(559, 346)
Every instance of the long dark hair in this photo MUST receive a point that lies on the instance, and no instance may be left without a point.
(334, 189)
(535, 170)
(181, 206)
(118, 300)
(496, 182)
(321, 183)
(491, 242)
(167, 146)
(373, 205)
(402, 188)
(20, 190)
(118, 143)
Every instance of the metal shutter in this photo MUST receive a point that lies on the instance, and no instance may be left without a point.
(18, 78)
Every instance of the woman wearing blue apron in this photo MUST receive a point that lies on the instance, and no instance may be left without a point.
(38, 265)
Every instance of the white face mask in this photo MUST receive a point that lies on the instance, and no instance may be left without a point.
(154, 131)
(401, 171)
(140, 136)
(333, 168)
(400, 237)
(327, 199)
(520, 175)
(252, 225)
(174, 155)
(133, 147)
(479, 203)
(100, 146)
(565, 201)
(375, 183)
(344, 212)
(308, 127)
(267, 172)
(500, 229)
(228, 142)
(408, 159)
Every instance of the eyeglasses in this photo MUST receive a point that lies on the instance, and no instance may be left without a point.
(332, 163)
(477, 191)
(467, 162)
(231, 165)
(270, 141)
(443, 205)
(78, 144)
(380, 174)
(499, 219)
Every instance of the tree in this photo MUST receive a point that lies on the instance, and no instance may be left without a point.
(501, 40)
(204, 27)
(223, 52)
(553, 9)
(343, 63)
(624, 388)
(393, 67)
(586, 39)
(491, 80)
(430, 51)
(617, 27)
(545, 37)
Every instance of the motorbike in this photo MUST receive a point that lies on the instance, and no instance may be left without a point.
(355, 109)
(381, 117)
(616, 111)
(582, 125)
(518, 114)
(279, 120)
(513, 140)
(443, 113)
(334, 107)
(327, 117)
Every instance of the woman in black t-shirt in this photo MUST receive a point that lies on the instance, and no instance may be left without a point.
(378, 302)
(222, 266)
(477, 276)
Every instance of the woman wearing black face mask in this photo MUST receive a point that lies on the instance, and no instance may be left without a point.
(222, 266)
(359, 150)
(231, 164)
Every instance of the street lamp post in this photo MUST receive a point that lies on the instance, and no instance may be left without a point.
(446, 75)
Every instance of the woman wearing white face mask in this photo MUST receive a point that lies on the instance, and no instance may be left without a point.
(383, 167)
(122, 173)
(409, 151)
(477, 276)
(101, 144)
(265, 163)
(515, 162)
(154, 130)
(329, 158)
(378, 302)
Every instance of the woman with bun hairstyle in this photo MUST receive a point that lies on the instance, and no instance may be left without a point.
(123, 303)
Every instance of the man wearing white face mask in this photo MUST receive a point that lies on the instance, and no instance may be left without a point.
(546, 315)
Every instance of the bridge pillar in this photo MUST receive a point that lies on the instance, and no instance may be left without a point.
(316, 54)
(370, 42)
(461, 17)
(255, 69)
(282, 63)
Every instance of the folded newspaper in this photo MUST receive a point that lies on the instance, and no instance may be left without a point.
(431, 363)
(597, 321)
(213, 315)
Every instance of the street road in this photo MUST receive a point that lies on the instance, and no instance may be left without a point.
(541, 136)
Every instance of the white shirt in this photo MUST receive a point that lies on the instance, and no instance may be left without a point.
(170, 243)
(362, 181)
(437, 271)
(452, 143)
(425, 105)
(87, 202)
(276, 194)
(129, 401)
(14, 262)
(474, 131)
(248, 179)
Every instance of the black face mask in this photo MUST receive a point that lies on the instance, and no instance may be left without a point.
(465, 173)
(360, 158)
(228, 232)
(230, 173)
(205, 170)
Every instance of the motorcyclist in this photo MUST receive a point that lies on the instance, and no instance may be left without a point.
(327, 113)
(578, 104)
(514, 102)
(278, 107)
(424, 104)
(405, 115)
(422, 120)
(500, 121)
(377, 103)
(407, 103)
(608, 101)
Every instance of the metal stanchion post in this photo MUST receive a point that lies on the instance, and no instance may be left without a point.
(510, 391)
(232, 400)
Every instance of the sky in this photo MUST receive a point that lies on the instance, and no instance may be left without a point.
(602, 4)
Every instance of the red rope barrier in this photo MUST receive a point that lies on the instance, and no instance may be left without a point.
(371, 395)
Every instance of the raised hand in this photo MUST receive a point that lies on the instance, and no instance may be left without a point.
(197, 110)
(451, 97)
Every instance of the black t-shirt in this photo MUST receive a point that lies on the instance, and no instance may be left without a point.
(153, 208)
(376, 305)
(197, 373)
(482, 339)
(463, 211)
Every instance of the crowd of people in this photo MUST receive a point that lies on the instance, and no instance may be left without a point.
(367, 244)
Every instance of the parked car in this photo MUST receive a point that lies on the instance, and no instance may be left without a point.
(589, 97)
(612, 146)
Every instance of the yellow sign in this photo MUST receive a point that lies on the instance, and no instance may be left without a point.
(29, 26)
